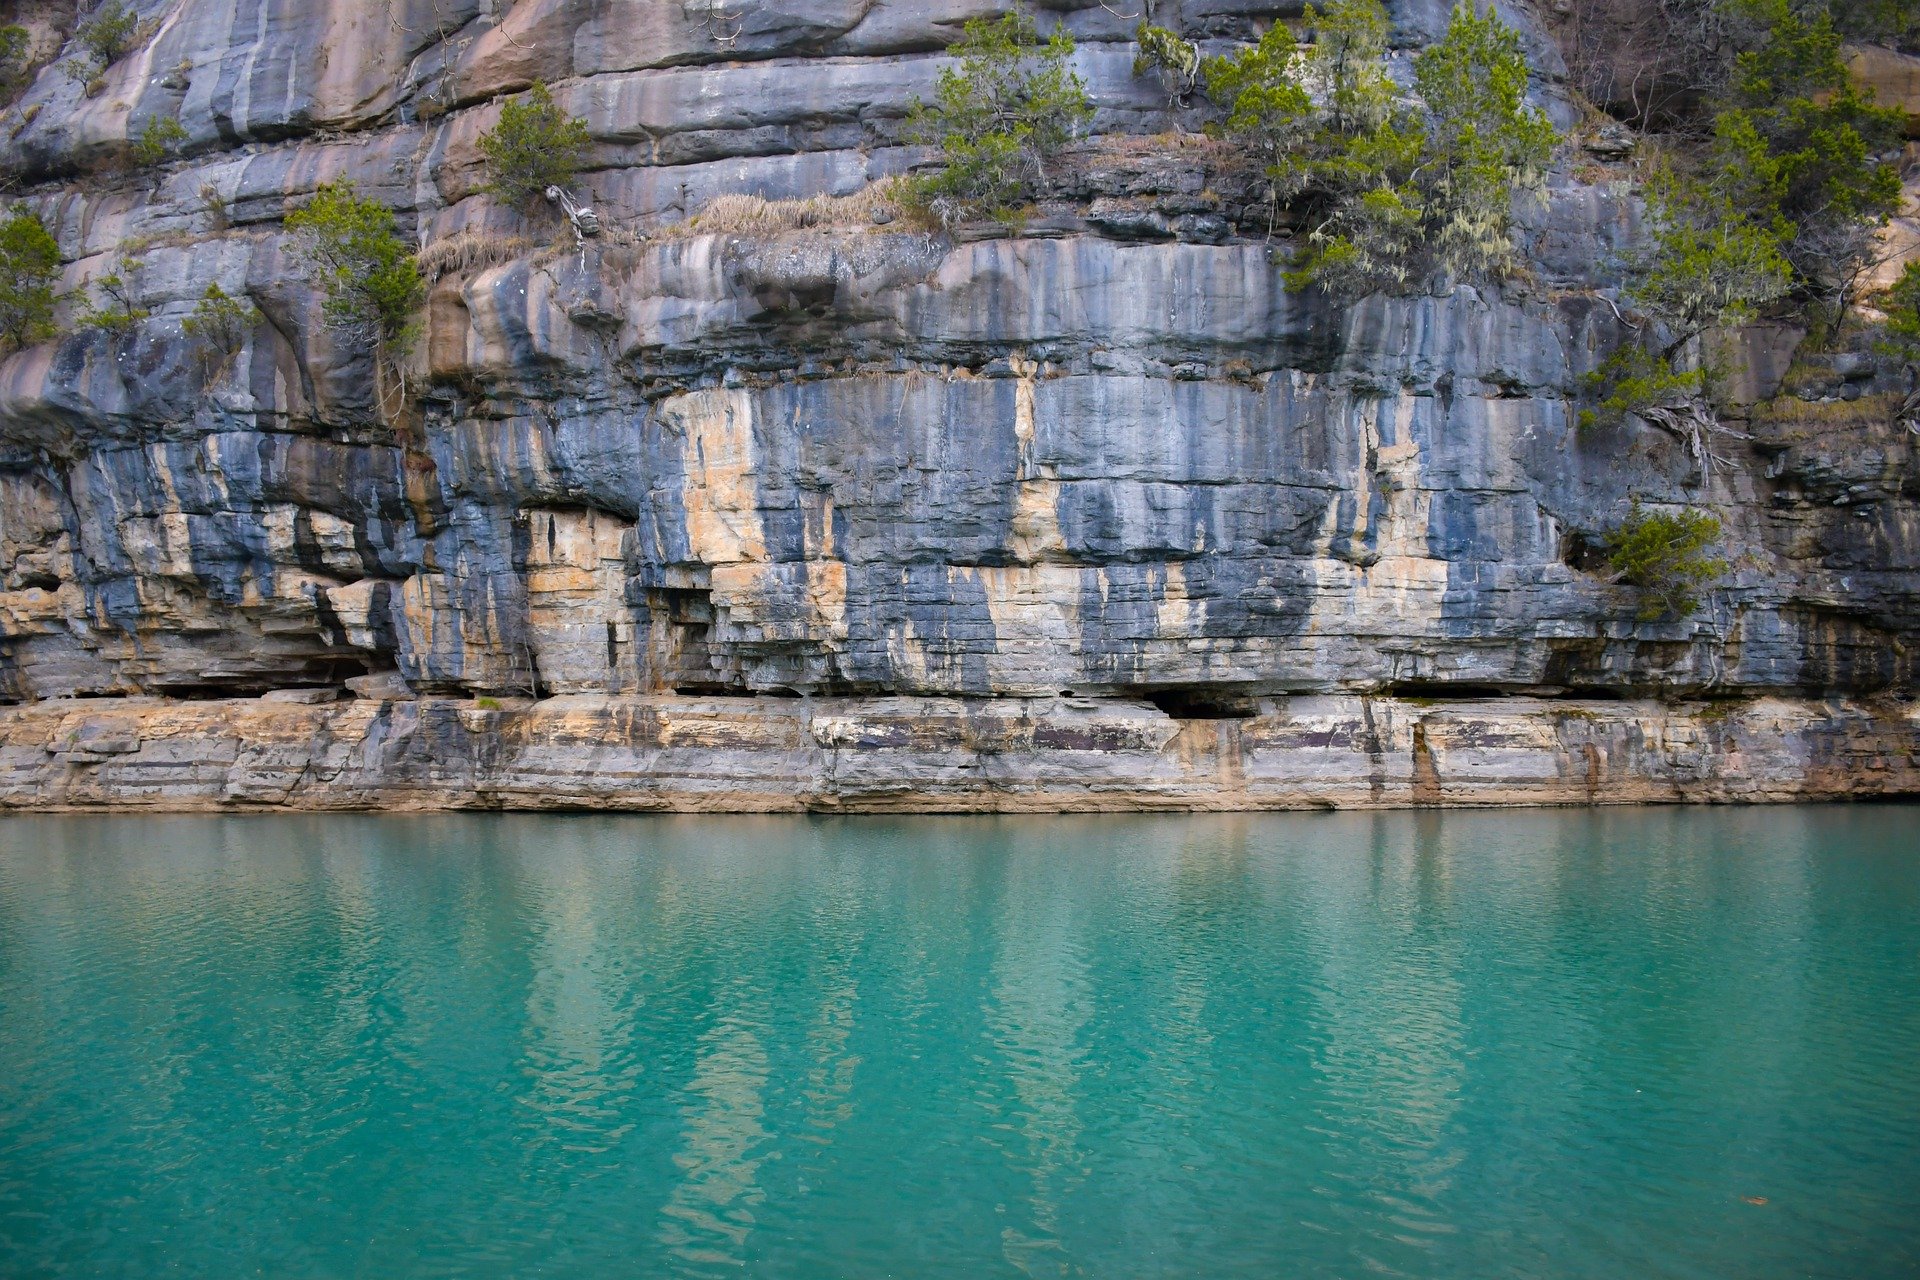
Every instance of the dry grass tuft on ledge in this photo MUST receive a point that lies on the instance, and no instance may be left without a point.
(754, 216)
(470, 251)
(868, 208)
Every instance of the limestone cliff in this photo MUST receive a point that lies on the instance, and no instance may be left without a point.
(1104, 472)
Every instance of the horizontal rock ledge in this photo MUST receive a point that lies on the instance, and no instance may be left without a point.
(943, 755)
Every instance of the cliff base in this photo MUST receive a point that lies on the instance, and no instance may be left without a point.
(683, 754)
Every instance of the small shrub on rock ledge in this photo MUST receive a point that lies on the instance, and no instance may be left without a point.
(1667, 557)
(159, 138)
(1000, 118)
(1634, 380)
(116, 311)
(220, 323)
(535, 146)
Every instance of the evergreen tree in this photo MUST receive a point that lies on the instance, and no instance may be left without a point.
(1668, 557)
(1798, 147)
(1483, 142)
(535, 146)
(999, 119)
(354, 256)
(29, 266)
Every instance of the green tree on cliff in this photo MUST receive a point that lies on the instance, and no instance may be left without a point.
(1901, 338)
(1397, 190)
(1781, 201)
(1269, 112)
(108, 35)
(1782, 146)
(115, 309)
(1321, 122)
(29, 266)
(1712, 263)
(219, 325)
(535, 146)
(999, 119)
(1484, 143)
(1668, 557)
(355, 256)
(16, 46)
(1799, 147)
(1709, 266)
(160, 138)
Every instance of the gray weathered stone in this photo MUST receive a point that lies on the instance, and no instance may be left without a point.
(1112, 460)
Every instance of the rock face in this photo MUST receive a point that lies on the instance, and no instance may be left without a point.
(944, 754)
(1106, 479)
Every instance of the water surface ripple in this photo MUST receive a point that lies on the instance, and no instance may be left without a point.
(1653, 1044)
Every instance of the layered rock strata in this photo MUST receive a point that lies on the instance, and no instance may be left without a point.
(592, 751)
(1103, 477)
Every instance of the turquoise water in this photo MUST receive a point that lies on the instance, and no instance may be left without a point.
(1633, 1044)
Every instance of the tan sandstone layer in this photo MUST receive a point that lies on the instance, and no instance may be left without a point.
(943, 755)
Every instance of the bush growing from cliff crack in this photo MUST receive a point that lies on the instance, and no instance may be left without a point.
(535, 146)
(159, 138)
(104, 38)
(220, 322)
(1174, 60)
(115, 310)
(1000, 119)
(356, 258)
(1709, 266)
(1667, 557)
(16, 44)
(1635, 381)
(218, 211)
(29, 265)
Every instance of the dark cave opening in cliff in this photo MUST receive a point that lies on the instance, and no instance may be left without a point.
(1196, 702)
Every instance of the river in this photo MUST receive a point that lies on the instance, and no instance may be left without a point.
(1645, 1043)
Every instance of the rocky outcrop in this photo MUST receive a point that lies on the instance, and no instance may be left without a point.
(1104, 477)
(944, 754)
